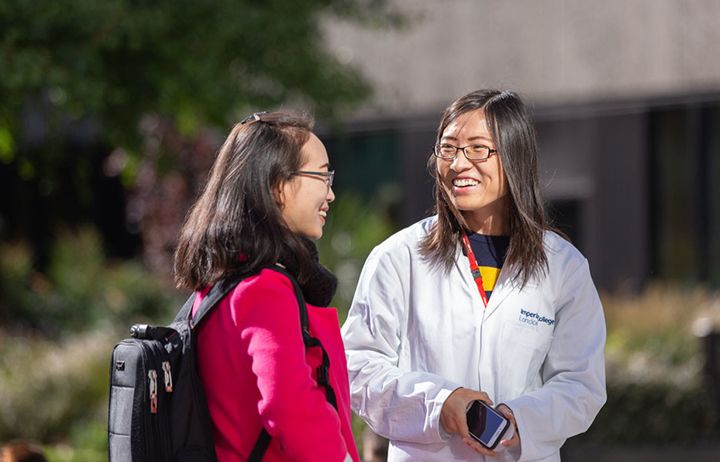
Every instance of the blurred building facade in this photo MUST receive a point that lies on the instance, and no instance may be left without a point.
(626, 99)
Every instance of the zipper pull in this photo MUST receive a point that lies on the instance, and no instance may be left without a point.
(168, 376)
(152, 375)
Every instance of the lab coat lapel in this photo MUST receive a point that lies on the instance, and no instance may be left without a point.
(462, 267)
(503, 288)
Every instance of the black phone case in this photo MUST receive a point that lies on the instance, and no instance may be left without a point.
(502, 432)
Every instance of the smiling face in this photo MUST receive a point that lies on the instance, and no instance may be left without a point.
(305, 199)
(477, 188)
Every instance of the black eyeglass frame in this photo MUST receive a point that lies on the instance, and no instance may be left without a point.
(437, 154)
(328, 177)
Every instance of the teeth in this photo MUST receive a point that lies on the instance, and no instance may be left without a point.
(323, 213)
(460, 182)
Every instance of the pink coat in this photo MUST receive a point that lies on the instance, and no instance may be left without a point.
(256, 373)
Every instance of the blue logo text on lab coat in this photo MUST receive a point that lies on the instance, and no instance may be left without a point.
(533, 319)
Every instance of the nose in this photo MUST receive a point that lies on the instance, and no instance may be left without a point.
(330, 195)
(460, 162)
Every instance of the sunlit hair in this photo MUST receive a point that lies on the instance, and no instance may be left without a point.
(514, 137)
(236, 224)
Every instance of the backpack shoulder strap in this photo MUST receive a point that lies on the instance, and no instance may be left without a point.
(304, 324)
(323, 377)
(184, 312)
(218, 291)
(223, 287)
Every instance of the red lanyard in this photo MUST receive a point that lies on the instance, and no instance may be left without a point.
(474, 268)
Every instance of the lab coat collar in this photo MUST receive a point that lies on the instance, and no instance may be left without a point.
(503, 285)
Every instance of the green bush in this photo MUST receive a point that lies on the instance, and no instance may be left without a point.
(656, 391)
(56, 338)
(352, 230)
(47, 388)
(81, 290)
(87, 443)
(653, 413)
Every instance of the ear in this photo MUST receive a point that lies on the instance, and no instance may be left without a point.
(278, 193)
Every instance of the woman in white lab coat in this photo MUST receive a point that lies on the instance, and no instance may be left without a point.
(481, 301)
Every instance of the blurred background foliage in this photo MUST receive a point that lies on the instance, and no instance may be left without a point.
(201, 61)
(654, 362)
(81, 289)
(85, 85)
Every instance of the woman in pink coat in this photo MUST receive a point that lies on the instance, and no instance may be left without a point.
(266, 200)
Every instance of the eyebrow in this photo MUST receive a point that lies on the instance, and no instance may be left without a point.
(472, 138)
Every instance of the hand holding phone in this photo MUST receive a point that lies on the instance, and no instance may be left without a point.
(485, 424)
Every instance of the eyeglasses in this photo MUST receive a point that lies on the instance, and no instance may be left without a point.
(474, 152)
(327, 177)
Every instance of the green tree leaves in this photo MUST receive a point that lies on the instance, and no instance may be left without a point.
(118, 59)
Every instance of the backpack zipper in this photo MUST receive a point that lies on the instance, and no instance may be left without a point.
(163, 416)
(167, 373)
(152, 376)
(152, 409)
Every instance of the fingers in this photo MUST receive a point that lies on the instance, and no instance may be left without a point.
(477, 447)
(482, 396)
(515, 439)
(454, 419)
(507, 412)
(452, 415)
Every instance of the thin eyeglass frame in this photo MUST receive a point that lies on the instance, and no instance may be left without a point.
(328, 176)
(491, 152)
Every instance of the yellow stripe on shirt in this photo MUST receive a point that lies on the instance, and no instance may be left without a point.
(489, 277)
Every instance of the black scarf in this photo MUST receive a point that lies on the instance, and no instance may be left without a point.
(320, 284)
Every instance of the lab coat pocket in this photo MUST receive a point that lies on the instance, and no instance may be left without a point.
(524, 349)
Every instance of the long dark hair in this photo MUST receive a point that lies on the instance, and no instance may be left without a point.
(515, 142)
(236, 224)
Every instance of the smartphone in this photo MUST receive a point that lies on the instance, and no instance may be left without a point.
(486, 425)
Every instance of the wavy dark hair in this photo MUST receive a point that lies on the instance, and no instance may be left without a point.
(516, 145)
(236, 224)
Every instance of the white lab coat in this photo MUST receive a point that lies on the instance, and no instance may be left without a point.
(415, 333)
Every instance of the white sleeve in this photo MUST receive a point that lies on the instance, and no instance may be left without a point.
(573, 373)
(398, 404)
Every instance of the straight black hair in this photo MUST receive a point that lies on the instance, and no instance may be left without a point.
(236, 224)
(516, 145)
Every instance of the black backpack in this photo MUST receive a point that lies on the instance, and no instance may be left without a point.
(157, 410)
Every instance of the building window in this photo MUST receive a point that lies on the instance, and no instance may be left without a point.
(366, 162)
(685, 194)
